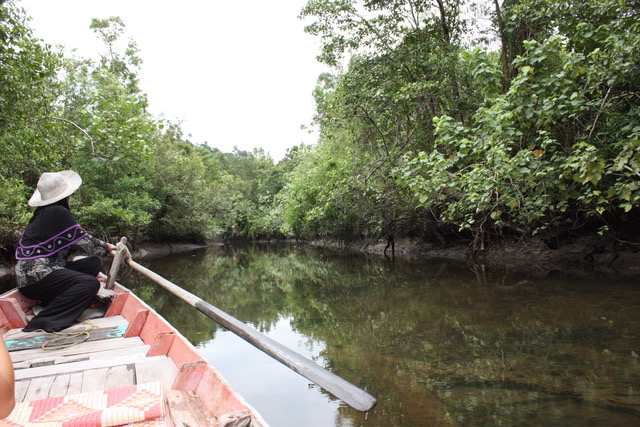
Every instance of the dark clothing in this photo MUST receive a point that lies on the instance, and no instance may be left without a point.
(64, 294)
(52, 234)
(47, 231)
(65, 289)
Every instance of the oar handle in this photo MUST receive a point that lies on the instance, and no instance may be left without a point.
(338, 386)
(121, 249)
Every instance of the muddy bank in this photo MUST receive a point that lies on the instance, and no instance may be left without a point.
(585, 255)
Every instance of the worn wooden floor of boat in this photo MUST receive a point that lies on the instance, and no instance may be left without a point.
(105, 360)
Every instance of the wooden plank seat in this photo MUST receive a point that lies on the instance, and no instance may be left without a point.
(84, 351)
(107, 359)
(87, 376)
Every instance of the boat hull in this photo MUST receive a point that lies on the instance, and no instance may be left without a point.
(193, 374)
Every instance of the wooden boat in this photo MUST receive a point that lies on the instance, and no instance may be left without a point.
(126, 350)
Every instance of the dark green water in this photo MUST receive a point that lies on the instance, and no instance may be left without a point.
(437, 343)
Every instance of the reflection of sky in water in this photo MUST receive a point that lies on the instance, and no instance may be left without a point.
(283, 397)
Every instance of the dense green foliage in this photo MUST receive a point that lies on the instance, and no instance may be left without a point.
(142, 179)
(429, 131)
(561, 142)
(428, 127)
(27, 91)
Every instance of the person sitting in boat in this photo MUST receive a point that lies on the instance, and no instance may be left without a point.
(43, 273)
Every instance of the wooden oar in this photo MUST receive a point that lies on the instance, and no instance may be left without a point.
(339, 387)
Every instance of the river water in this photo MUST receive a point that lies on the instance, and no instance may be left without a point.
(437, 343)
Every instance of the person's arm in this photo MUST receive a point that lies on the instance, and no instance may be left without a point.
(91, 245)
(7, 381)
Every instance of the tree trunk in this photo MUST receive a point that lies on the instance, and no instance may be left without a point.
(506, 68)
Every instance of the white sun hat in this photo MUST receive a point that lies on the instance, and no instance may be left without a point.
(55, 186)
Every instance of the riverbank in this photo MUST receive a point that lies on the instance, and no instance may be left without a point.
(584, 255)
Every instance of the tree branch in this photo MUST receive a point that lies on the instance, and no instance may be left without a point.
(77, 127)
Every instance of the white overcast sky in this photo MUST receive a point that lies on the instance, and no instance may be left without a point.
(235, 74)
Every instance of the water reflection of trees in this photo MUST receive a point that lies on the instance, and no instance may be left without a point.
(431, 340)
